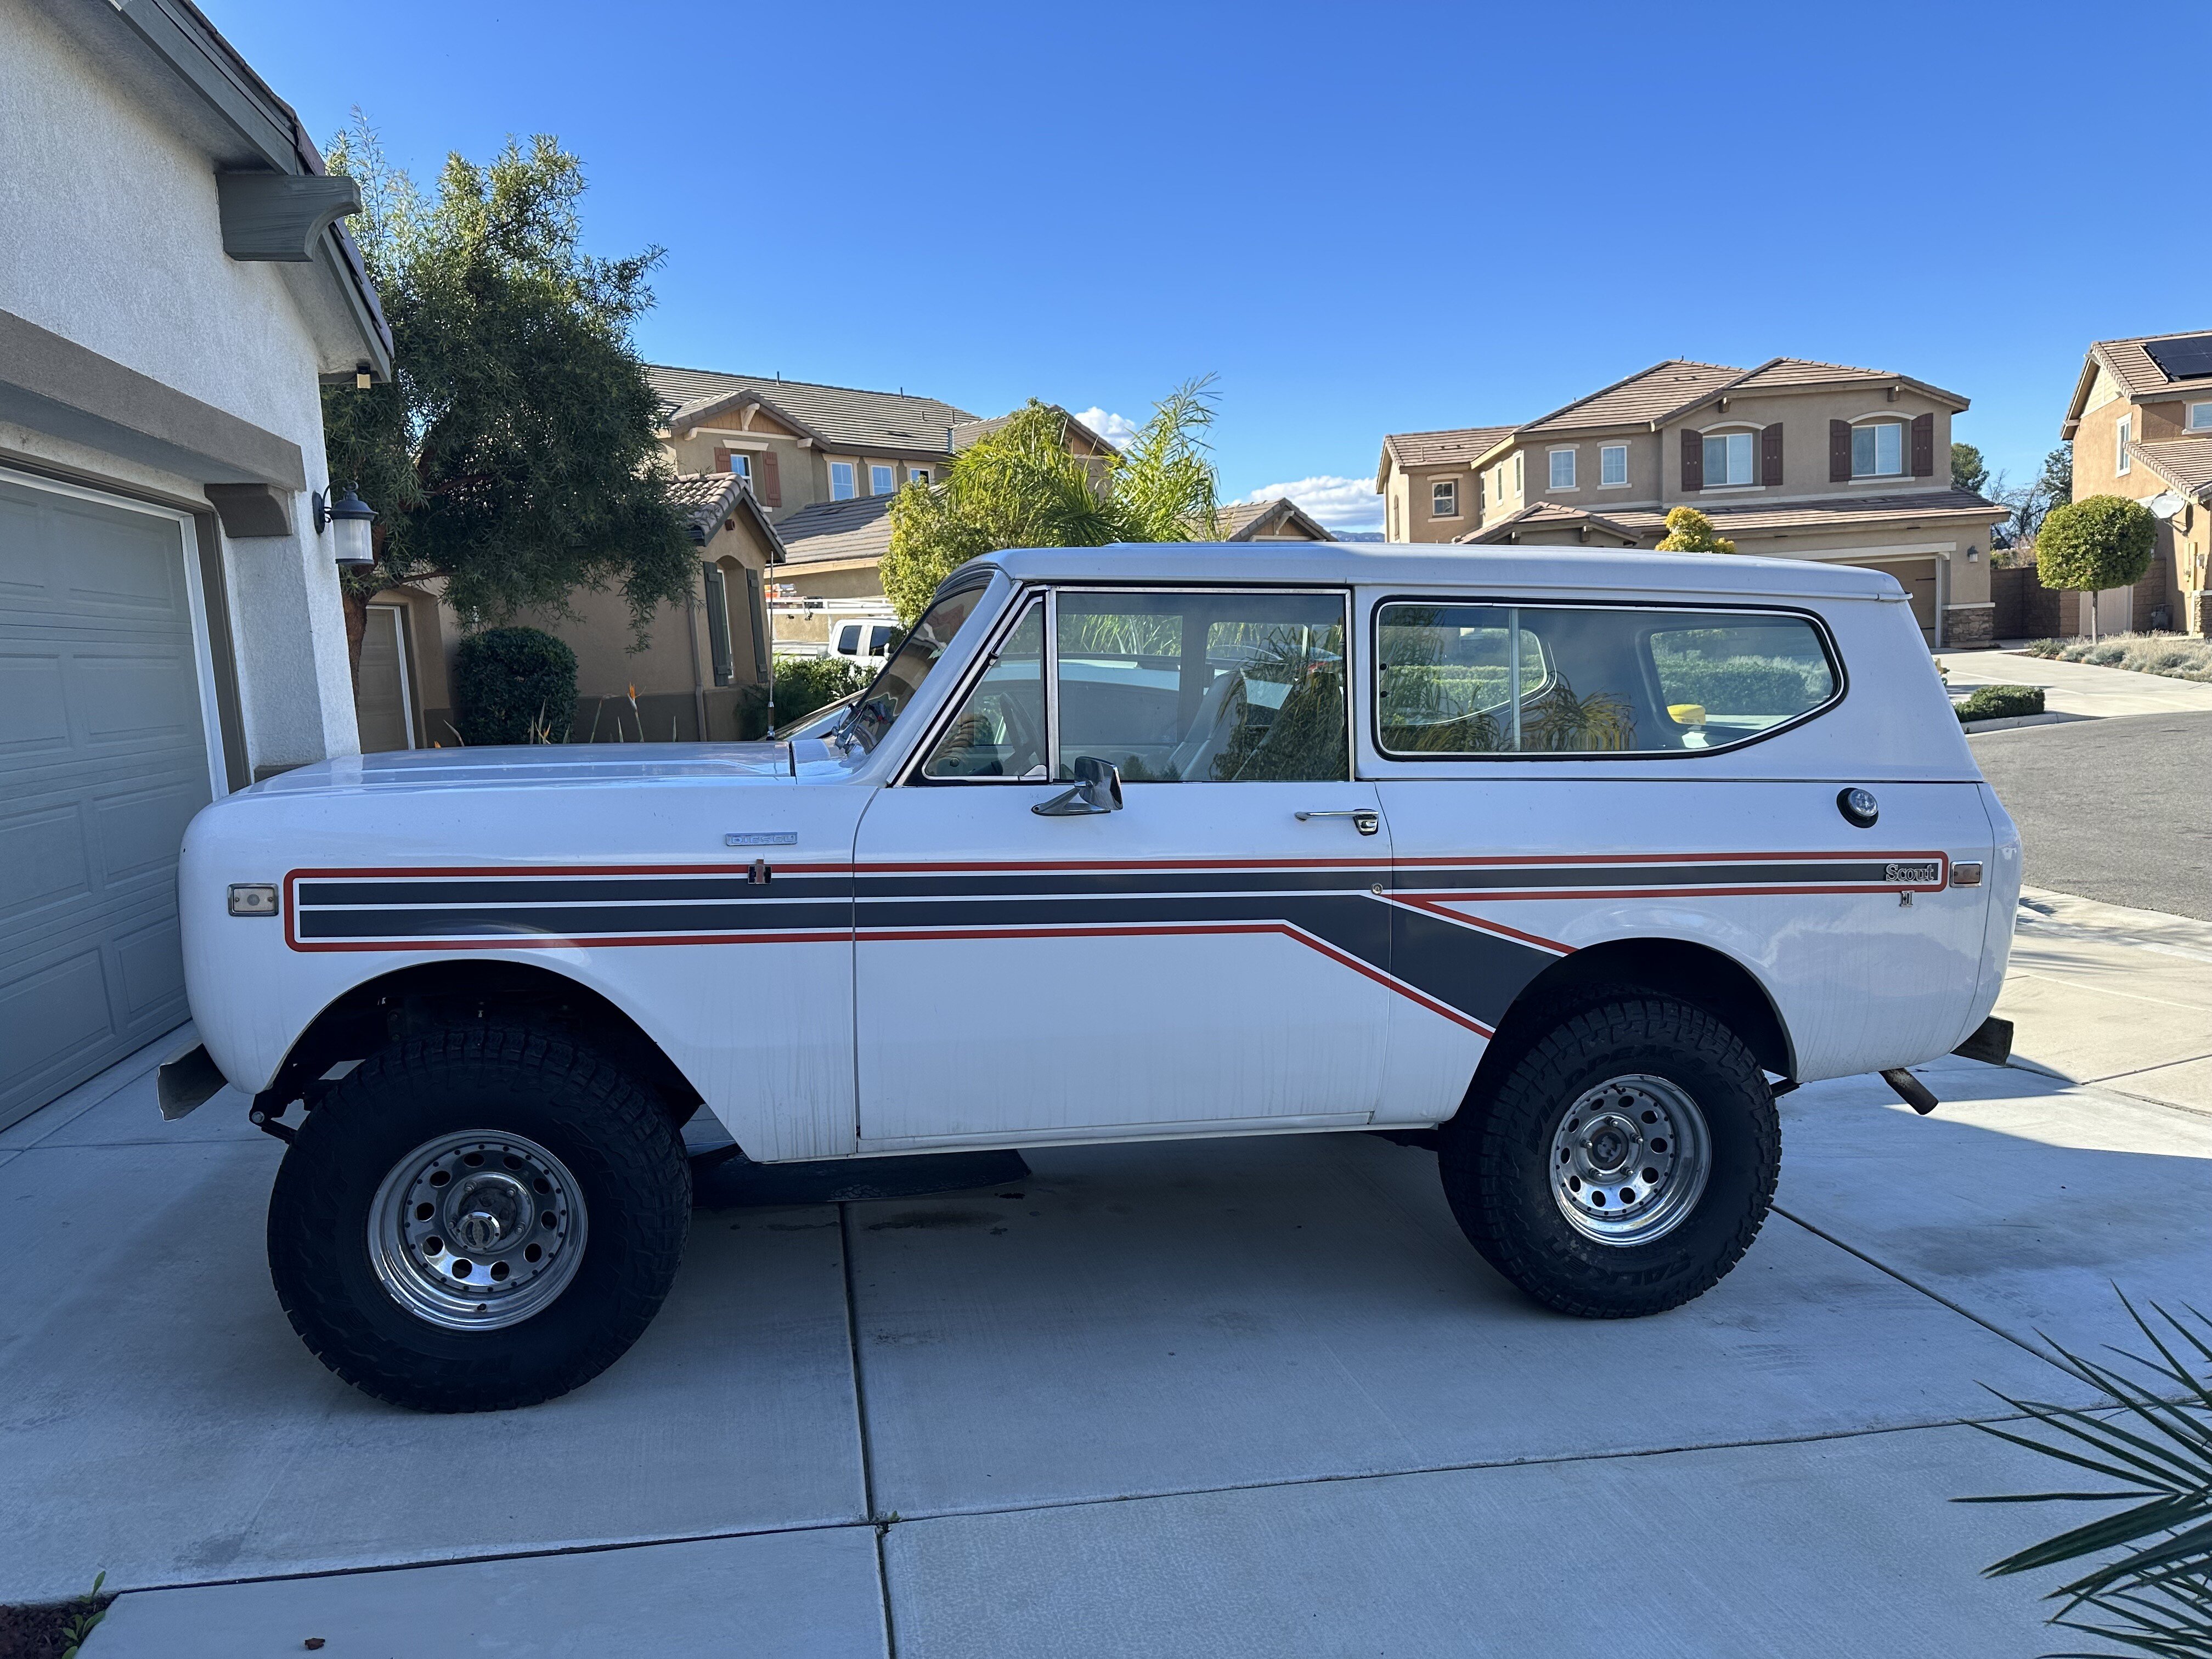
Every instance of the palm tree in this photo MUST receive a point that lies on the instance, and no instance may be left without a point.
(1021, 485)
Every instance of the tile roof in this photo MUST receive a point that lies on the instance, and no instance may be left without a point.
(1649, 394)
(1549, 515)
(706, 499)
(967, 432)
(1805, 371)
(844, 418)
(1456, 447)
(2185, 463)
(1280, 520)
(857, 529)
(2137, 371)
(1832, 512)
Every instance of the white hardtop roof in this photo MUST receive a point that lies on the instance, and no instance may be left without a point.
(1442, 567)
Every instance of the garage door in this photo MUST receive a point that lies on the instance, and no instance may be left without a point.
(103, 761)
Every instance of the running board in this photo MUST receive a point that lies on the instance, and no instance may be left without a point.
(1911, 1090)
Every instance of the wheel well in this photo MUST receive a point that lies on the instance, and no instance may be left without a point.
(1695, 973)
(433, 995)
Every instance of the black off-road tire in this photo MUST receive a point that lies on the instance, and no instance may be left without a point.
(624, 1151)
(1496, 1158)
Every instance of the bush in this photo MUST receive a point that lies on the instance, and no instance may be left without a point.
(803, 684)
(2176, 656)
(515, 685)
(1996, 702)
(2090, 545)
(1742, 685)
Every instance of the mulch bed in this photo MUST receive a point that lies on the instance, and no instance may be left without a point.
(38, 1632)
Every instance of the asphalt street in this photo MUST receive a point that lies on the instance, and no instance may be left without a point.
(2119, 811)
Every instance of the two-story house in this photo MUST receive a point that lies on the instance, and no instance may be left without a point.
(1793, 459)
(2141, 424)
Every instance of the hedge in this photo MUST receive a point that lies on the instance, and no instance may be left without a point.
(513, 685)
(803, 684)
(1993, 703)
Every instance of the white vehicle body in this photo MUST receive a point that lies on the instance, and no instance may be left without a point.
(841, 959)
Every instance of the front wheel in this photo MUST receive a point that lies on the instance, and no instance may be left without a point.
(479, 1218)
(1624, 1163)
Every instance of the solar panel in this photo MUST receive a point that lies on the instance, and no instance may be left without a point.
(2183, 359)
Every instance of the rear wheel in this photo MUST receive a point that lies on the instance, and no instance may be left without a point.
(483, 1217)
(1624, 1163)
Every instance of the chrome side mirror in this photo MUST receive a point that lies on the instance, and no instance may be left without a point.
(1097, 789)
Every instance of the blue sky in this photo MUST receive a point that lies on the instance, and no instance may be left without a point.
(1363, 218)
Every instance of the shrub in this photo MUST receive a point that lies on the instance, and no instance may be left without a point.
(2099, 543)
(803, 684)
(1742, 685)
(513, 683)
(2176, 656)
(1689, 531)
(1994, 702)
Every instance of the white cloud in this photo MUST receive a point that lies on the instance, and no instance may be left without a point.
(1340, 504)
(1116, 429)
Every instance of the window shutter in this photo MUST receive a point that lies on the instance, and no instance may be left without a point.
(1693, 459)
(757, 603)
(1924, 446)
(1839, 452)
(771, 487)
(1770, 454)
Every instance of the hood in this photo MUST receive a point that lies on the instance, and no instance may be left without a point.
(566, 766)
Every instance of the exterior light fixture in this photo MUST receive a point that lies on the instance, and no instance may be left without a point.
(349, 517)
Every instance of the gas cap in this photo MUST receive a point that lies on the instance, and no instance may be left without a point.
(1859, 806)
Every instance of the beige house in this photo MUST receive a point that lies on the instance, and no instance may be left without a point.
(1791, 459)
(787, 486)
(2141, 424)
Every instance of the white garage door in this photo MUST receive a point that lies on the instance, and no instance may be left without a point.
(104, 758)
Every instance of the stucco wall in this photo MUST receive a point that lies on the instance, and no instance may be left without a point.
(2180, 544)
(111, 237)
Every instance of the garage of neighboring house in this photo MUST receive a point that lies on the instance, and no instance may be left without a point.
(176, 292)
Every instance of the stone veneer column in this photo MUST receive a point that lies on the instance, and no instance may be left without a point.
(1969, 627)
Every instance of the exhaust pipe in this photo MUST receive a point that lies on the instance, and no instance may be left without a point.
(1911, 1090)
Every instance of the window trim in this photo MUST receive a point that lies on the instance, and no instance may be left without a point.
(2122, 442)
(920, 475)
(910, 770)
(1551, 468)
(1725, 430)
(889, 470)
(1603, 450)
(850, 466)
(1437, 486)
(2189, 416)
(1903, 447)
(1372, 684)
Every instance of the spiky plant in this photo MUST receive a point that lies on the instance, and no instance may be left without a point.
(2151, 1433)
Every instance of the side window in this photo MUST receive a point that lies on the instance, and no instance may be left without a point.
(879, 639)
(848, 640)
(1474, 679)
(1000, 732)
(1204, 688)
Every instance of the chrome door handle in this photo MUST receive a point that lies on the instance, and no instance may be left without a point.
(1364, 819)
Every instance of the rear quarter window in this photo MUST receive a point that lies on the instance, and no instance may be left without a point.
(1456, 679)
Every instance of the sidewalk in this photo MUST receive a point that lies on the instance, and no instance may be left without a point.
(1231, 1397)
(2078, 688)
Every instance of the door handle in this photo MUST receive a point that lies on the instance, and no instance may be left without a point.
(1364, 819)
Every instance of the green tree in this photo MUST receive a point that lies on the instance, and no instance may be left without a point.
(1021, 485)
(2056, 485)
(1968, 469)
(2089, 546)
(1689, 531)
(511, 456)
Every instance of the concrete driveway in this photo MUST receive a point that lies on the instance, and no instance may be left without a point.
(1252, 1397)
(2079, 689)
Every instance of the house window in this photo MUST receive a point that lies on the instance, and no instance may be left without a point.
(1563, 469)
(2120, 436)
(1729, 460)
(1613, 464)
(1520, 476)
(741, 467)
(918, 475)
(2200, 417)
(840, 482)
(1443, 499)
(1877, 450)
(881, 481)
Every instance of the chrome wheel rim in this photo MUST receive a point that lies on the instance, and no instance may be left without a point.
(476, 1230)
(1630, 1159)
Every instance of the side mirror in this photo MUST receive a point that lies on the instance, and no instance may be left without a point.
(1097, 789)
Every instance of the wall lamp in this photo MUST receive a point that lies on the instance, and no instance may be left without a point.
(352, 516)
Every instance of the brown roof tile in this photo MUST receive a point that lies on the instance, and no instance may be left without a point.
(1549, 514)
(857, 529)
(1452, 448)
(2138, 371)
(1832, 512)
(2185, 463)
(844, 418)
(1649, 394)
(1281, 518)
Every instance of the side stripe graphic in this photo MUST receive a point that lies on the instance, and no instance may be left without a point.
(1396, 928)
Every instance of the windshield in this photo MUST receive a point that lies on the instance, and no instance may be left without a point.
(893, 688)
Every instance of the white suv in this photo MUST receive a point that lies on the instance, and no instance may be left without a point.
(1575, 860)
